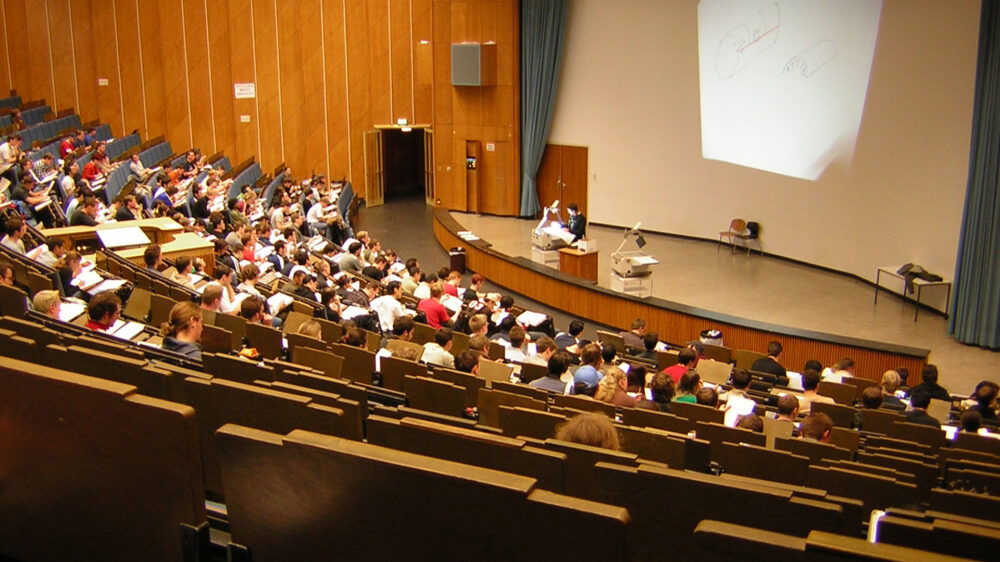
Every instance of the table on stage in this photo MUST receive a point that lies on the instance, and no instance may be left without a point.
(578, 263)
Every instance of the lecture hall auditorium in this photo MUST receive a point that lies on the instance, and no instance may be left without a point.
(308, 436)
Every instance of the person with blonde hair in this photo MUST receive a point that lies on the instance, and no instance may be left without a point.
(612, 389)
(890, 383)
(311, 328)
(592, 429)
(47, 302)
(182, 331)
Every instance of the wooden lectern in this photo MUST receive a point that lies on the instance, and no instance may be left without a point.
(579, 264)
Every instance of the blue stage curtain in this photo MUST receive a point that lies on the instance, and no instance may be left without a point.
(543, 26)
(975, 311)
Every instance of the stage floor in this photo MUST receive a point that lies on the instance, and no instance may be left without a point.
(698, 274)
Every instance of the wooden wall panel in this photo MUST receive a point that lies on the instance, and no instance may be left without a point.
(129, 70)
(105, 44)
(311, 112)
(400, 56)
(241, 56)
(221, 78)
(291, 26)
(83, 52)
(338, 151)
(39, 61)
(155, 72)
(379, 90)
(198, 85)
(6, 83)
(423, 61)
(268, 123)
(64, 82)
(174, 77)
(359, 87)
(17, 45)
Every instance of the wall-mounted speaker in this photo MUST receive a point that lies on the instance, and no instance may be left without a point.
(473, 64)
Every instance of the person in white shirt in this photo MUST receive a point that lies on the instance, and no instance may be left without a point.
(738, 403)
(388, 306)
(57, 249)
(224, 278)
(517, 345)
(16, 229)
(250, 274)
(438, 351)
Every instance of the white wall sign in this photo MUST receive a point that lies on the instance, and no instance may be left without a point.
(244, 90)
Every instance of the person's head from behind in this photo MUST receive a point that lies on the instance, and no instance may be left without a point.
(920, 400)
(575, 328)
(788, 406)
(814, 365)
(741, 379)
(184, 322)
(871, 398)
(690, 382)
(816, 426)
(468, 361)
(810, 380)
(47, 302)
(639, 326)
(480, 343)
(545, 346)
(686, 356)
(211, 298)
(402, 328)
(516, 335)
(311, 328)
(929, 374)
(608, 353)
(593, 429)
(478, 324)
(591, 355)
(662, 387)
(252, 309)
(444, 337)
(707, 397)
(890, 382)
(104, 308)
(971, 421)
(753, 422)
(152, 255)
(6, 274)
(649, 341)
(608, 386)
(986, 395)
(559, 363)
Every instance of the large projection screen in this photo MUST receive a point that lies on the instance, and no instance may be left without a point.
(630, 91)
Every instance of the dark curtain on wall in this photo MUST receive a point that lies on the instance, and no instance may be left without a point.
(543, 26)
(975, 312)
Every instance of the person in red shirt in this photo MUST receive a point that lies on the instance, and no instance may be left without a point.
(103, 311)
(66, 147)
(437, 314)
(684, 360)
(451, 285)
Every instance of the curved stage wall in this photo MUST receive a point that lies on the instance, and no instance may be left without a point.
(673, 321)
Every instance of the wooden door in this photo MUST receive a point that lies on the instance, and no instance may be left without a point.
(428, 166)
(374, 169)
(563, 176)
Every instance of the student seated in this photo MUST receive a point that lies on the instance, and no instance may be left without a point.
(182, 330)
(593, 429)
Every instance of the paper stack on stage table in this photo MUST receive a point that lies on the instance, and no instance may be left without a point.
(532, 319)
(551, 237)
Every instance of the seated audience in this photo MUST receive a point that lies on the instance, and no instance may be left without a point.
(633, 337)
(753, 422)
(47, 302)
(544, 348)
(810, 381)
(649, 343)
(929, 384)
(438, 352)
(816, 427)
(662, 388)
(103, 311)
(917, 413)
(612, 389)
(182, 331)
(685, 360)
(555, 379)
(871, 398)
(890, 383)
(688, 387)
(570, 338)
(707, 397)
(770, 364)
(588, 375)
(788, 408)
(437, 314)
(468, 361)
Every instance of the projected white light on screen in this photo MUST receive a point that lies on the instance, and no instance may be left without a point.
(783, 83)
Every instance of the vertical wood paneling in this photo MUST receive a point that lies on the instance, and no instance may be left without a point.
(292, 28)
(129, 69)
(103, 39)
(17, 43)
(173, 89)
(423, 61)
(222, 77)
(310, 112)
(38, 60)
(378, 63)
(241, 58)
(84, 55)
(62, 55)
(268, 110)
(152, 36)
(199, 88)
(338, 151)
(6, 84)
(400, 53)
(358, 84)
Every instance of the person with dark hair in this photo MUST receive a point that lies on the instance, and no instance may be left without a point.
(569, 337)
(86, 213)
(355, 337)
(929, 384)
(633, 336)
(438, 352)
(751, 422)
(814, 365)
(649, 343)
(816, 427)
(152, 256)
(103, 310)
(252, 310)
(688, 387)
(518, 339)
(738, 402)
(770, 364)
(577, 223)
(6, 274)
(610, 357)
(388, 306)
(129, 210)
(468, 361)
(685, 358)
(351, 261)
(707, 397)
(15, 230)
(558, 365)
(662, 388)
(986, 402)
(919, 401)
(545, 347)
(871, 398)
(376, 270)
(810, 381)
(971, 421)
(788, 407)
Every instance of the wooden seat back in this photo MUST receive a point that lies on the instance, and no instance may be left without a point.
(522, 389)
(842, 415)
(717, 434)
(471, 383)
(436, 396)
(215, 339)
(347, 494)
(265, 339)
(859, 385)
(814, 450)
(393, 345)
(518, 421)
(697, 412)
(234, 368)
(718, 353)
(774, 428)
(237, 326)
(877, 492)
(359, 364)
(78, 452)
(878, 421)
(661, 420)
(932, 437)
(745, 358)
(393, 369)
(489, 401)
(763, 463)
(841, 393)
(585, 404)
(326, 362)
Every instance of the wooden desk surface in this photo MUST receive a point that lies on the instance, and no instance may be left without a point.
(183, 244)
(159, 230)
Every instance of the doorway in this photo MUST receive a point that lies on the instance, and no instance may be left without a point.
(398, 164)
